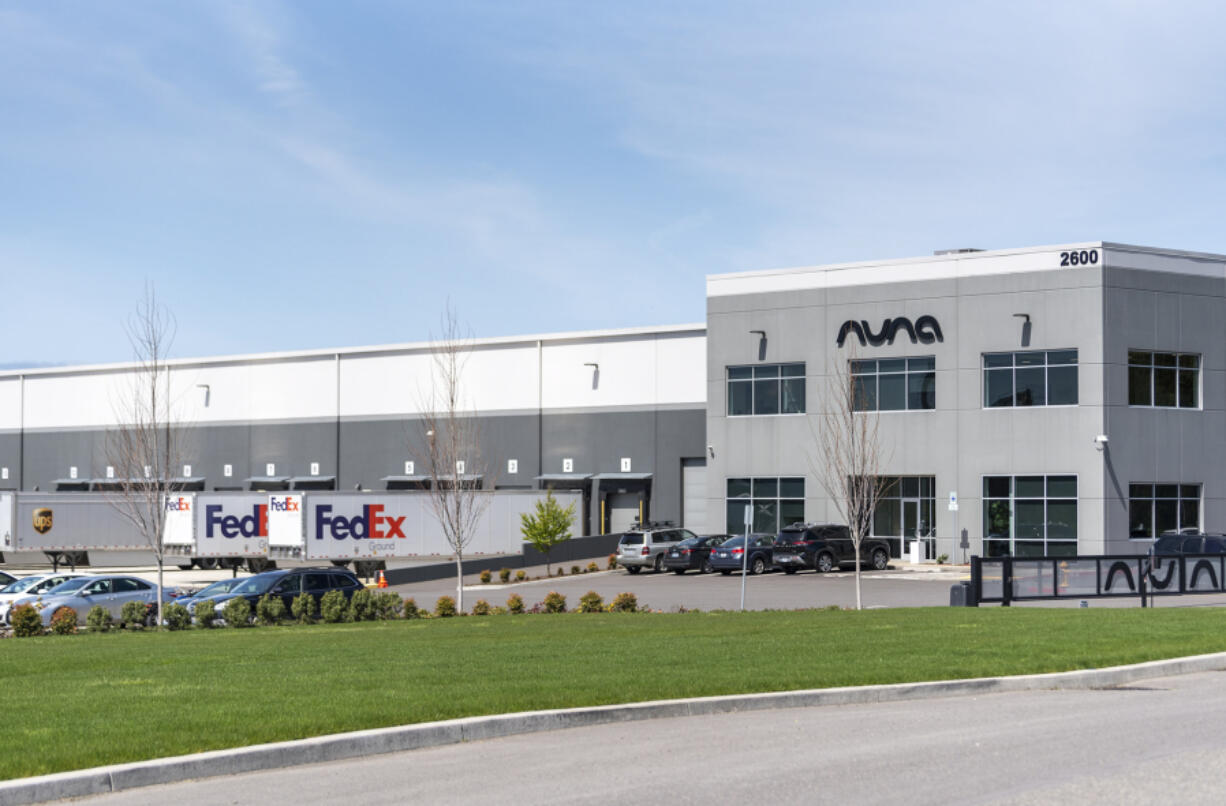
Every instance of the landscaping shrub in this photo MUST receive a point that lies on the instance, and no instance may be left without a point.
(485, 577)
(504, 575)
(176, 616)
(362, 605)
(204, 612)
(481, 608)
(270, 610)
(515, 604)
(561, 572)
(304, 607)
(64, 621)
(411, 610)
(625, 603)
(99, 619)
(25, 621)
(444, 607)
(554, 602)
(574, 569)
(133, 615)
(236, 612)
(591, 602)
(387, 605)
(612, 561)
(592, 567)
(334, 607)
(521, 575)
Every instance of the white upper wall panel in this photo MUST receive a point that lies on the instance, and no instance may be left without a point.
(10, 403)
(57, 401)
(631, 372)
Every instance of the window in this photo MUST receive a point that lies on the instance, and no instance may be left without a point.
(766, 389)
(775, 503)
(1163, 380)
(1030, 516)
(1033, 378)
(1157, 508)
(894, 384)
(908, 503)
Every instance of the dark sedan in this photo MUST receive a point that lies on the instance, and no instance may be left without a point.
(693, 554)
(730, 555)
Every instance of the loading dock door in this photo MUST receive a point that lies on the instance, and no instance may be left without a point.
(623, 511)
(694, 495)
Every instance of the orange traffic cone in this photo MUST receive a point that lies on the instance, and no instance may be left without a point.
(382, 580)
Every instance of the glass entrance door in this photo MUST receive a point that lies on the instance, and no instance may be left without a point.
(917, 525)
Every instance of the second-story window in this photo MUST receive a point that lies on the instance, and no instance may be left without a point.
(894, 384)
(766, 389)
(1163, 380)
(1031, 378)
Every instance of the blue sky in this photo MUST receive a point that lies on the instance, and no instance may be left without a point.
(319, 174)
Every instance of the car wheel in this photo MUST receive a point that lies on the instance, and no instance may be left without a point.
(634, 569)
(207, 563)
(825, 563)
(706, 567)
(678, 571)
(725, 573)
(758, 566)
(658, 564)
(789, 570)
(881, 560)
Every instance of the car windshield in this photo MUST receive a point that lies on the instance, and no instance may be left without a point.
(224, 586)
(22, 584)
(635, 539)
(255, 584)
(732, 543)
(70, 585)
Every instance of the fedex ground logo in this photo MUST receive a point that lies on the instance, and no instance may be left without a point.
(372, 524)
(253, 523)
(179, 504)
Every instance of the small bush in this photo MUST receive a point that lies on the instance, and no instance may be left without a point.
(64, 621)
(388, 605)
(25, 621)
(499, 610)
(176, 616)
(411, 610)
(236, 612)
(561, 571)
(486, 577)
(592, 567)
(98, 619)
(521, 575)
(362, 605)
(944, 558)
(334, 607)
(205, 613)
(591, 602)
(515, 604)
(304, 607)
(270, 610)
(554, 602)
(612, 562)
(444, 607)
(504, 575)
(574, 569)
(133, 615)
(625, 603)
(482, 608)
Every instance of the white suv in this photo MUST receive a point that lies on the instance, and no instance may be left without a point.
(645, 546)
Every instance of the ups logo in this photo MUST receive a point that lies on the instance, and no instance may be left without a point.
(42, 520)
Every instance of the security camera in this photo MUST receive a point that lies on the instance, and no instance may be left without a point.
(1100, 441)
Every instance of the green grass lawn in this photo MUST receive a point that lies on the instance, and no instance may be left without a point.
(80, 701)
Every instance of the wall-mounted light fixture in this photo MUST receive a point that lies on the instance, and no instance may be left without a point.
(205, 388)
(1025, 317)
(711, 451)
(761, 334)
(595, 373)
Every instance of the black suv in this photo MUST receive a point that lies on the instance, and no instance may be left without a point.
(290, 582)
(1184, 543)
(824, 547)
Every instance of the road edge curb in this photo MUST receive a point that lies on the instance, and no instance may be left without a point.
(355, 744)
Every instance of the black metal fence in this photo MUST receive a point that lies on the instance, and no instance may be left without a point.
(1002, 580)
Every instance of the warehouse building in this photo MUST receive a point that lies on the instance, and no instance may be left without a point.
(1047, 400)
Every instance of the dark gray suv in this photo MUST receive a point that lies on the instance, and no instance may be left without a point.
(824, 547)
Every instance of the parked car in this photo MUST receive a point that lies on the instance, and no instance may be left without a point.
(82, 594)
(730, 555)
(212, 591)
(825, 547)
(1183, 543)
(645, 546)
(693, 553)
(30, 586)
(290, 583)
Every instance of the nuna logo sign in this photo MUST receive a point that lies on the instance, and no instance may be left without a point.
(925, 330)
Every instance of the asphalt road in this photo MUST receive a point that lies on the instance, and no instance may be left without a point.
(1161, 741)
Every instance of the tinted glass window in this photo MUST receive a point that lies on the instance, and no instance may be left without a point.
(316, 582)
(343, 581)
(635, 539)
(130, 585)
(98, 586)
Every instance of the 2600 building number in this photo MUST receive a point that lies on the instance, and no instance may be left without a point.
(1082, 258)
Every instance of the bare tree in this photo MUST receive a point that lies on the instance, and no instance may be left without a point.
(850, 456)
(146, 445)
(452, 446)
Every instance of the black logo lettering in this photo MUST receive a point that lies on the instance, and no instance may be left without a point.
(926, 330)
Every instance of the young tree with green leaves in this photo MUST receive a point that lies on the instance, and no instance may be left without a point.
(548, 526)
